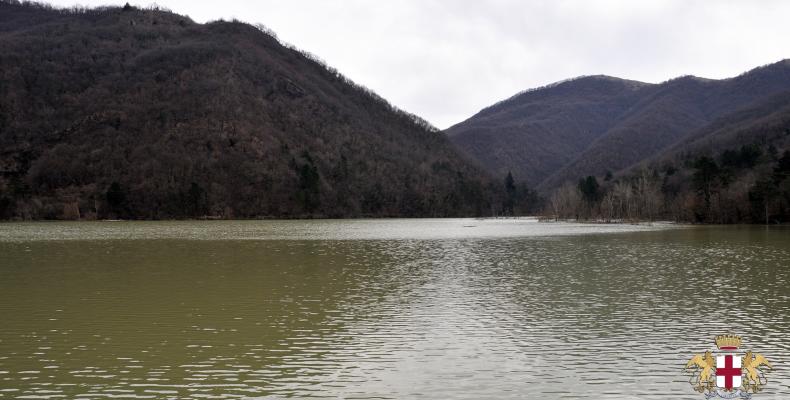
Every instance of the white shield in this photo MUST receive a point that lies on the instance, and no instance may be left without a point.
(728, 366)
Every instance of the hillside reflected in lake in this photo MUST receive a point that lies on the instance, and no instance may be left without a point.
(451, 308)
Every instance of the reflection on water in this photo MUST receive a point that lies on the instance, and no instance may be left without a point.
(382, 309)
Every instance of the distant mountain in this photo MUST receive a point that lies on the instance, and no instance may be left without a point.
(535, 133)
(142, 113)
(591, 125)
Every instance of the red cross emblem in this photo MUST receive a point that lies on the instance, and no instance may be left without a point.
(728, 371)
(728, 375)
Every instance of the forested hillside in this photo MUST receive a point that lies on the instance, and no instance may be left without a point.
(591, 125)
(142, 113)
(736, 170)
(540, 131)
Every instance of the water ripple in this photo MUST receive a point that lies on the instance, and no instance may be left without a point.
(360, 314)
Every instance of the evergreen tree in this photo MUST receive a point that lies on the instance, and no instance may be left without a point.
(309, 185)
(590, 189)
(116, 198)
(510, 194)
(782, 169)
(196, 201)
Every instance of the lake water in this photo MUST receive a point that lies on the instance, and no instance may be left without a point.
(439, 309)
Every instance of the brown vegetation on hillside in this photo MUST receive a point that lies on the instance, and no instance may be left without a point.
(749, 183)
(142, 113)
(591, 125)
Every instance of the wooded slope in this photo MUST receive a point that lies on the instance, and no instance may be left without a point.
(131, 113)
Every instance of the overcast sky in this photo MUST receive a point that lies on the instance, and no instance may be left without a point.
(446, 60)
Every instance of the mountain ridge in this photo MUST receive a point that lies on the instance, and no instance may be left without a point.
(647, 120)
(494, 132)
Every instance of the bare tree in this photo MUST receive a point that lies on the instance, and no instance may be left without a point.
(650, 198)
(566, 202)
(624, 199)
(608, 206)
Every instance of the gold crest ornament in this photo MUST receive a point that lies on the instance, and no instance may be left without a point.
(724, 373)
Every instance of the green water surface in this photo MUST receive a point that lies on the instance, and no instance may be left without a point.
(440, 309)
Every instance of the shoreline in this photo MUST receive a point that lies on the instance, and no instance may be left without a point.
(539, 219)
